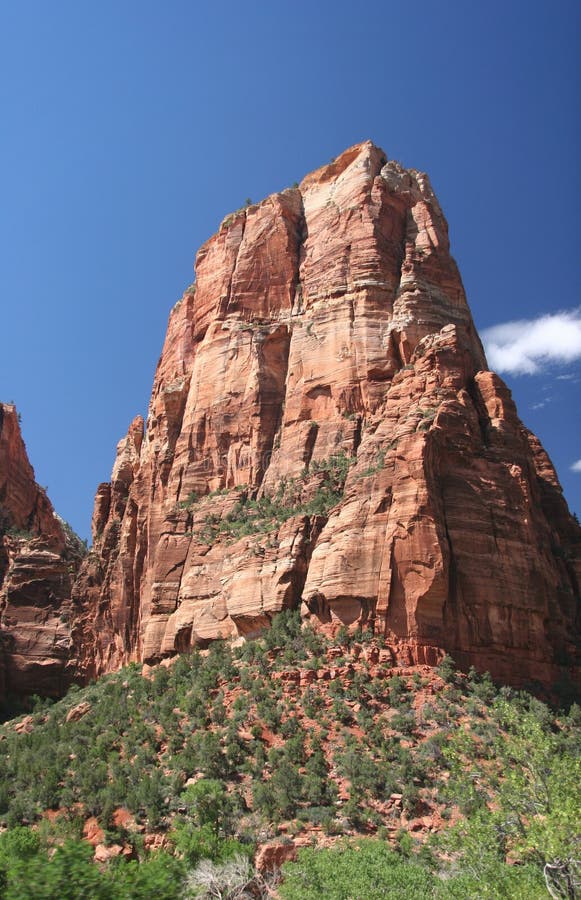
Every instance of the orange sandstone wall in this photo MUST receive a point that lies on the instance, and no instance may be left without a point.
(330, 320)
(38, 561)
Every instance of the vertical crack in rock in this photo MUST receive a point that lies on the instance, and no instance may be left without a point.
(225, 306)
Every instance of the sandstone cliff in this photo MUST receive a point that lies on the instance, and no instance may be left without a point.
(39, 557)
(323, 432)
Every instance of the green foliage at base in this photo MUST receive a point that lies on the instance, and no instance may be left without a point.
(367, 869)
(29, 872)
(370, 869)
(221, 748)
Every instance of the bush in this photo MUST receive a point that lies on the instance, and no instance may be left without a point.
(280, 796)
(447, 670)
(159, 876)
(208, 803)
(366, 869)
(195, 844)
(233, 879)
(68, 875)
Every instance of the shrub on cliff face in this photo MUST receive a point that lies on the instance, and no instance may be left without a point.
(447, 670)
(266, 513)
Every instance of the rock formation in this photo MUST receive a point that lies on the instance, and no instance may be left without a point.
(39, 557)
(323, 431)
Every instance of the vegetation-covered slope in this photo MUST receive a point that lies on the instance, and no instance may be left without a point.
(457, 789)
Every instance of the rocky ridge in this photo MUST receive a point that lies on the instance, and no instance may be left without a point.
(323, 432)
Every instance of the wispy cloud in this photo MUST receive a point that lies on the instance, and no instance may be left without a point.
(576, 467)
(530, 346)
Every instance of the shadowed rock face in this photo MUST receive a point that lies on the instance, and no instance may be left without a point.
(38, 560)
(323, 432)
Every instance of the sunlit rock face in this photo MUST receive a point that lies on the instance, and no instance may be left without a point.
(323, 433)
(38, 560)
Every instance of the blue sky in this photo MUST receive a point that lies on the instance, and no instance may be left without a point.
(130, 128)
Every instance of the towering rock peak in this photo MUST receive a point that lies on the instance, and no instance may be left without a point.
(39, 555)
(324, 433)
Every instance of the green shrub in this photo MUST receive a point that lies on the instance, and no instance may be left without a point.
(208, 803)
(368, 869)
(447, 670)
(266, 513)
(69, 874)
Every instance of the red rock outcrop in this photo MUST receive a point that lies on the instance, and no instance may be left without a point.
(323, 431)
(39, 557)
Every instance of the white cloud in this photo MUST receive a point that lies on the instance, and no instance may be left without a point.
(576, 467)
(529, 346)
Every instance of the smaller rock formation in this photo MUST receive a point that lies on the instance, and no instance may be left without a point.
(39, 557)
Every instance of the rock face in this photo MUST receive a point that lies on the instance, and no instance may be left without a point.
(39, 558)
(323, 432)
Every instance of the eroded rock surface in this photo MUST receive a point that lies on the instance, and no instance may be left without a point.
(39, 557)
(323, 432)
